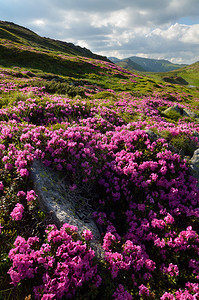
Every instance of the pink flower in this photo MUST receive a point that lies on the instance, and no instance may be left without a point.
(167, 296)
(48, 296)
(21, 194)
(172, 270)
(24, 172)
(17, 212)
(159, 242)
(1, 186)
(121, 294)
(31, 196)
(143, 290)
(73, 187)
(154, 176)
(158, 223)
(0, 228)
(141, 207)
(64, 264)
(169, 219)
(87, 234)
(8, 166)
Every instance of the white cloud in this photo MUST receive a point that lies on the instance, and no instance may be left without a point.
(191, 35)
(125, 28)
(181, 32)
(39, 22)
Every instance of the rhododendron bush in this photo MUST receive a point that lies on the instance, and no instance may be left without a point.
(64, 262)
(144, 196)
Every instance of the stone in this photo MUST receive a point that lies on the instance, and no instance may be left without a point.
(175, 80)
(65, 206)
(189, 113)
(194, 164)
(174, 108)
(182, 111)
(152, 135)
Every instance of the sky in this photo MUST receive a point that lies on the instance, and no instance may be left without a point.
(160, 29)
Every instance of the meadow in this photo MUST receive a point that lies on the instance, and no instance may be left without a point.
(106, 130)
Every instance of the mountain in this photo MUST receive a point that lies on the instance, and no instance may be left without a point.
(21, 47)
(114, 59)
(188, 75)
(156, 65)
(22, 35)
(129, 64)
(147, 64)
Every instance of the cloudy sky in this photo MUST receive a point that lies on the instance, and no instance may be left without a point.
(167, 29)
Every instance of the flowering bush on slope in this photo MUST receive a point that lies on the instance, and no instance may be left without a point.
(61, 265)
(146, 201)
(145, 192)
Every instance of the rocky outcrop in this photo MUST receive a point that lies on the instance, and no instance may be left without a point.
(174, 108)
(152, 135)
(175, 80)
(189, 113)
(65, 205)
(194, 163)
(184, 112)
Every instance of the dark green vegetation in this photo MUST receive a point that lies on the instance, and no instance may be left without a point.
(188, 75)
(24, 36)
(130, 65)
(146, 64)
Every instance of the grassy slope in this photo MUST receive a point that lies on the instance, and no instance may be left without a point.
(27, 37)
(155, 65)
(75, 68)
(188, 73)
(130, 65)
(20, 47)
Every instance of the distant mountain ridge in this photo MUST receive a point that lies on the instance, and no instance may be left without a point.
(146, 64)
(129, 64)
(22, 35)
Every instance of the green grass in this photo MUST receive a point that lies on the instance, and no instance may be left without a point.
(188, 73)
(27, 37)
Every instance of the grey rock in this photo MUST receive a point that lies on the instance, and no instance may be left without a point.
(174, 108)
(152, 135)
(194, 163)
(189, 113)
(65, 206)
(182, 111)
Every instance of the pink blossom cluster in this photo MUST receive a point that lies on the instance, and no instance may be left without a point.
(146, 200)
(121, 294)
(144, 189)
(17, 212)
(1, 186)
(58, 110)
(60, 266)
(31, 196)
(1, 227)
(191, 292)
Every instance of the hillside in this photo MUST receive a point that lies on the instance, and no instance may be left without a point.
(116, 147)
(147, 64)
(130, 65)
(155, 65)
(24, 36)
(188, 74)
